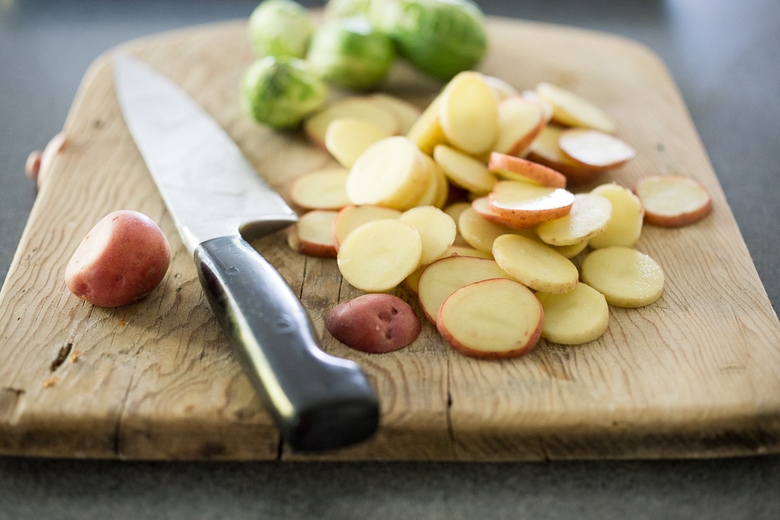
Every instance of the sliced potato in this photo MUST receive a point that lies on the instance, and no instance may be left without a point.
(534, 264)
(348, 137)
(519, 122)
(573, 110)
(405, 112)
(578, 316)
(509, 167)
(464, 171)
(626, 277)
(501, 88)
(321, 189)
(426, 132)
(479, 232)
(437, 188)
(377, 256)
(625, 227)
(673, 200)
(590, 214)
(392, 172)
(446, 275)
(595, 148)
(436, 228)
(351, 217)
(468, 113)
(313, 234)
(524, 205)
(466, 251)
(496, 318)
(316, 126)
(545, 150)
(572, 250)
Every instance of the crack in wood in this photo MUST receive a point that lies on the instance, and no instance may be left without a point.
(62, 355)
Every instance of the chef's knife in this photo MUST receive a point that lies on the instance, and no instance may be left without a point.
(219, 202)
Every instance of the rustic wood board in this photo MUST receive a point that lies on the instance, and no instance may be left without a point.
(696, 374)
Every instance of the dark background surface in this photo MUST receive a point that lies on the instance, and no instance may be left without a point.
(723, 54)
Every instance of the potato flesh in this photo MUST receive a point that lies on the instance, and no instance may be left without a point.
(321, 189)
(534, 264)
(673, 200)
(347, 138)
(595, 148)
(626, 277)
(351, 217)
(515, 168)
(575, 317)
(444, 276)
(523, 204)
(492, 318)
(437, 231)
(545, 150)
(519, 122)
(406, 113)
(480, 233)
(377, 256)
(468, 113)
(625, 227)
(313, 234)
(590, 214)
(392, 173)
(463, 170)
(316, 126)
(572, 110)
(427, 132)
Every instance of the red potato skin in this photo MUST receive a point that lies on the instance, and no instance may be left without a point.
(374, 323)
(121, 260)
(535, 172)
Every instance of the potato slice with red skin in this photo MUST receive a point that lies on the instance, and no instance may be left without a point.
(509, 167)
(351, 217)
(321, 189)
(673, 200)
(595, 148)
(468, 113)
(626, 277)
(479, 231)
(545, 150)
(496, 318)
(316, 126)
(312, 235)
(519, 121)
(374, 323)
(524, 205)
(534, 264)
(121, 260)
(571, 109)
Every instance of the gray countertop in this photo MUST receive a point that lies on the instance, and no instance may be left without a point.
(724, 57)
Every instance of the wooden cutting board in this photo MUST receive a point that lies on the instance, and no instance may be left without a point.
(696, 374)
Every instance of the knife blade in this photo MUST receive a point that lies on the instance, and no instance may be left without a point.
(219, 203)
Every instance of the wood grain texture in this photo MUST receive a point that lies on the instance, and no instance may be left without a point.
(696, 374)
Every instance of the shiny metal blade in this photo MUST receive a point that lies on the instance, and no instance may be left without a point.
(208, 185)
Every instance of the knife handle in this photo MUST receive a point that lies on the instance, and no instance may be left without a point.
(319, 402)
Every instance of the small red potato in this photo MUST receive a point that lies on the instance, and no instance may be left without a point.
(374, 323)
(121, 260)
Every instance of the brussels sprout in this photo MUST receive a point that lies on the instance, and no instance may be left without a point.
(350, 53)
(439, 37)
(335, 9)
(281, 91)
(280, 28)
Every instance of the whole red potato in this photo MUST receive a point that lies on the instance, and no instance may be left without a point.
(374, 323)
(122, 258)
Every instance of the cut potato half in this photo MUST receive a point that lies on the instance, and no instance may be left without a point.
(595, 148)
(321, 189)
(534, 264)
(347, 138)
(463, 170)
(625, 227)
(590, 214)
(626, 277)
(673, 200)
(446, 275)
(468, 113)
(578, 316)
(573, 110)
(316, 126)
(494, 318)
(313, 234)
(377, 256)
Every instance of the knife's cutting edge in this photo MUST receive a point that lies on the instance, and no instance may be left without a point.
(319, 402)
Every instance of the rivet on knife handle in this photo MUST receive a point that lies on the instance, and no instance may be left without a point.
(319, 402)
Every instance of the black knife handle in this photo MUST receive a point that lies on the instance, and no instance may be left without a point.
(319, 402)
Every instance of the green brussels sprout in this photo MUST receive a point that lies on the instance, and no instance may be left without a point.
(351, 54)
(439, 37)
(280, 28)
(335, 9)
(280, 91)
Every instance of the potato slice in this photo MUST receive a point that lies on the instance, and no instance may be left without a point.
(411, 283)
(578, 316)
(501, 88)
(590, 214)
(316, 126)
(446, 275)
(519, 122)
(321, 189)
(480, 232)
(595, 148)
(436, 228)
(626, 277)
(351, 217)
(524, 205)
(673, 200)
(426, 132)
(392, 172)
(313, 234)
(466, 251)
(572, 250)
(406, 113)
(509, 167)
(464, 171)
(545, 150)
(572, 110)
(346, 138)
(627, 215)
(377, 256)
(454, 210)
(534, 264)
(469, 114)
(495, 318)
(437, 188)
